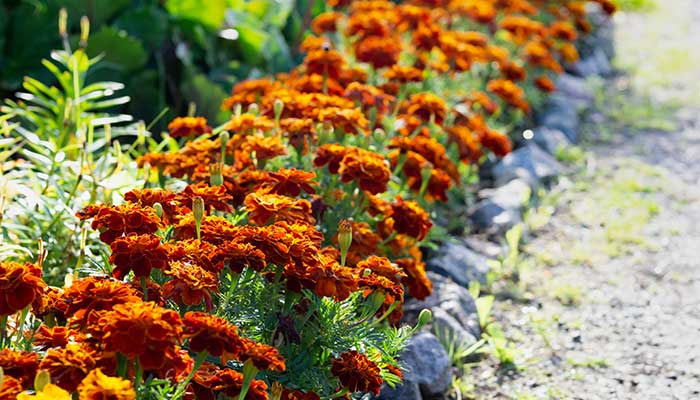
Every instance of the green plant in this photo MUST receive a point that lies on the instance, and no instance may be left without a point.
(61, 148)
(500, 347)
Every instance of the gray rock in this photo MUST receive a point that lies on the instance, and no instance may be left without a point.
(427, 364)
(407, 391)
(447, 325)
(457, 261)
(585, 67)
(529, 163)
(512, 195)
(493, 219)
(602, 62)
(561, 113)
(550, 140)
(576, 89)
(452, 298)
(484, 246)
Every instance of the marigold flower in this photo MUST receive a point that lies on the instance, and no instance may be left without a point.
(263, 356)
(348, 120)
(139, 330)
(193, 251)
(292, 394)
(10, 387)
(213, 334)
(301, 132)
(137, 253)
(418, 283)
(563, 30)
(265, 148)
(21, 365)
(410, 219)
(149, 197)
(214, 229)
(331, 279)
(378, 51)
(20, 286)
(229, 382)
(513, 71)
(248, 122)
(508, 91)
(467, 142)
(326, 62)
(369, 97)
(50, 392)
(190, 284)
(56, 336)
(88, 296)
(186, 126)
(116, 221)
(177, 366)
(357, 372)
(97, 385)
(215, 197)
(69, 365)
(426, 106)
(364, 242)
(261, 207)
(397, 73)
(545, 84)
(499, 143)
(371, 23)
(331, 154)
(368, 168)
(326, 22)
(242, 255)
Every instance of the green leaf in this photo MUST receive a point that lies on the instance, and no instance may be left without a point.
(279, 14)
(252, 42)
(149, 23)
(207, 95)
(206, 12)
(119, 48)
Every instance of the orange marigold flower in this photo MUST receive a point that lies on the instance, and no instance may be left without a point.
(215, 197)
(368, 168)
(263, 356)
(331, 154)
(563, 30)
(261, 207)
(569, 53)
(21, 365)
(380, 52)
(467, 143)
(479, 100)
(116, 221)
(56, 336)
(301, 132)
(140, 330)
(357, 372)
(331, 279)
(149, 197)
(186, 126)
(326, 62)
(20, 286)
(426, 106)
(69, 365)
(214, 229)
(497, 142)
(190, 284)
(265, 148)
(97, 385)
(292, 394)
(138, 253)
(522, 28)
(348, 120)
(87, 296)
(513, 71)
(177, 366)
(193, 251)
(507, 90)
(410, 219)
(403, 75)
(213, 334)
(326, 22)
(545, 84)
(10, 387)
(242, 255)
(248, 122)
(290, 182)
(426, 37)
(229, 382)
(369, 97)
(418, 283)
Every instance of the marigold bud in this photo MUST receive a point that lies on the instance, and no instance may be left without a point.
(344, 239)
(253, 109)
(215, 176)
(63, 22)
(84, 30)
(158, 208)
(424, 317)
(278, 108)
(198, 212)
(41, 379)
(224, 137)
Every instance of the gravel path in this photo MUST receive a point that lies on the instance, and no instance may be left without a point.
(615, 274)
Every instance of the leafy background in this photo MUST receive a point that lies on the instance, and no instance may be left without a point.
(167, 52)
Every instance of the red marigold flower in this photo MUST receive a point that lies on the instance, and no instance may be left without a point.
(215, 197)
(97, 385)
(213, 334)
(326, 22)
(263, 356)
(90, 295)
(229, 382)
(418, 283)
(186, 126)
(326, 62)
(69, 365)
(403, 75)
(290, 182)
(425, 106)
(368, 168)
(20, 286)
(193, 251)
(242, 255)
(120, 220)
(292, 394)
(467, 143)
(138, 253)
(214, 229)
(410, 219)
(21, 365)
(331, 154)
(10, 387)
(149, 197)
(261, 207)
(177, 366)
(496, 141)
(380, 52)
(357, 372)
(545, 84)
(56, 336)
(190, 284)
(140, 330)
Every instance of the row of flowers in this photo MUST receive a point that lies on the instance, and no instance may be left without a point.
(270, 257)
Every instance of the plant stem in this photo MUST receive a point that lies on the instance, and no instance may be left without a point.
(183, 385)
(3, 331)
